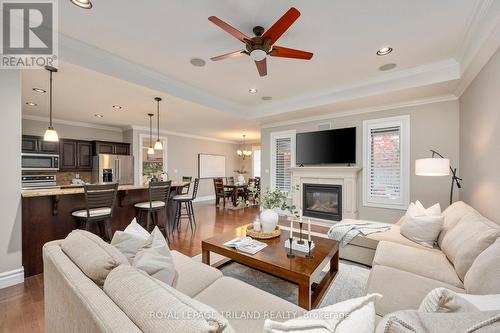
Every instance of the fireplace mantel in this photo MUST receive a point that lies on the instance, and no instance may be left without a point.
(346, 176)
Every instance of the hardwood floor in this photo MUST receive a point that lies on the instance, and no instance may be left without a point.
(21, 306)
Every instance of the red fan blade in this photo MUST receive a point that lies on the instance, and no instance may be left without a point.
(285, 52)
(281, 25)
(262, 67)
(224, 26)
(227, 55)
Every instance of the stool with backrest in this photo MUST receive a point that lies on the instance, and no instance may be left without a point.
(187, 200)
(99, 201)
(158, 200)
(220, 191)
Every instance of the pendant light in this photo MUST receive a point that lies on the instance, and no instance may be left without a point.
(158, 144)
(50, 133)
(244, 153)
(151, 151)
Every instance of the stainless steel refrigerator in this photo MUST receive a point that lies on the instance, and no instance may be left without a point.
(109, 168)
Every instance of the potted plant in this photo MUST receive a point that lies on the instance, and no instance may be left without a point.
(241, 178)
(270, 203)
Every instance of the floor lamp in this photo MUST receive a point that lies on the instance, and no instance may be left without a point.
(438, 166)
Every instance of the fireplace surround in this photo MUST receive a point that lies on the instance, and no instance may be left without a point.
(322, 201)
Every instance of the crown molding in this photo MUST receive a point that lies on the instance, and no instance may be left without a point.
(185, 135)
(481, 41)
(442, 71)
(79, 53)
(352, 112)
(74, 123)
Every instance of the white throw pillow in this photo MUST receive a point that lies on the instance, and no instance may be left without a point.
(422, 225)
(155, 258)
(354, 315)
(444, 300)
(130, 240)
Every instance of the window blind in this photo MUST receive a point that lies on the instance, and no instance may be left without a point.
(283, 163)
(385, 164)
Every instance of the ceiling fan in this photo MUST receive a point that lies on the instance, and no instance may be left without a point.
(262, 45)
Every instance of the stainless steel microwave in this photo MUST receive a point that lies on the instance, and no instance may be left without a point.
(39, 162)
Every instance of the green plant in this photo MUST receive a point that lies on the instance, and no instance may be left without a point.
(271, 200)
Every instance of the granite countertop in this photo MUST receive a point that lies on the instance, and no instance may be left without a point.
(78, 190)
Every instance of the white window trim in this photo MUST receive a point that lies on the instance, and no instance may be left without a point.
(404, 123)
(254, 148)
(279, 135)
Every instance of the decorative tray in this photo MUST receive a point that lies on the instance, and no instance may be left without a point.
(263, 235)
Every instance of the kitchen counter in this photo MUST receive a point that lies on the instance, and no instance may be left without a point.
(79, 189)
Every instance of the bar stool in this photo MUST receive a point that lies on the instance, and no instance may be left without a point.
(99, 202)
(187, 200)
(158, 199)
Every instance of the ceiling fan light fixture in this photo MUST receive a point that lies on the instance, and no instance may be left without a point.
(40, 90)
(384, 51)
(31, 104)
(85, 4)
(258, 55)
(253, 90)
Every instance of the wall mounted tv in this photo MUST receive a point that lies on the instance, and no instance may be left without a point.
(337, 146)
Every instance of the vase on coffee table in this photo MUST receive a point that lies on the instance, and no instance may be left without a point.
(268, 220)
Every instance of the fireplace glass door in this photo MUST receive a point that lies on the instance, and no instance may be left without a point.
(322, 201)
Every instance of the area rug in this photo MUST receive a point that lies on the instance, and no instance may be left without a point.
(350, 281)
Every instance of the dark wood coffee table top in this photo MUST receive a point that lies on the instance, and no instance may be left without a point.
(273, 260)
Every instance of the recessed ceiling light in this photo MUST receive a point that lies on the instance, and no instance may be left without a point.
(387, 67)
(86, 4)
(252, 90)
(198, 62)
(98, 115)
(117, 107)
(40, 90)
(31, 104)
(266, 98)
(384, 51)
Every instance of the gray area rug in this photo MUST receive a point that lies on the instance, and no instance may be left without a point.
(350, 281)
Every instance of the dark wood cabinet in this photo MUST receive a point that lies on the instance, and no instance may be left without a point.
(84, 154)
(68, 154)
(36, 144)
(117, 148)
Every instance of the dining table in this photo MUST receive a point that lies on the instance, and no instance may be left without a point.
(235, 188)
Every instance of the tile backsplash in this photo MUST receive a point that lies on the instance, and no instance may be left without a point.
(65, 177)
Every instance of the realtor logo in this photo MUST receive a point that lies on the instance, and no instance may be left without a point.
(28, 34)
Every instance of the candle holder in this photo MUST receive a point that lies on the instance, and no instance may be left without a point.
(300, 241)
(309, 254)
(290, 253)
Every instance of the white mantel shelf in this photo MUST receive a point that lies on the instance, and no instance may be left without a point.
(346, 176)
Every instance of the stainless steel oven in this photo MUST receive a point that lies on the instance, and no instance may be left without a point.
(39, 162)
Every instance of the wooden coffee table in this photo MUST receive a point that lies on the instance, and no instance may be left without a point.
(273, 260)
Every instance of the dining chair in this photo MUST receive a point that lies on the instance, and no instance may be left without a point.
(230, 180)
(185, 189)
(159, 193)
(221, 192)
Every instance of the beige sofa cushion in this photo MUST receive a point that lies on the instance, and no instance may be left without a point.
(155, 307)
(228, 295)
(483, 277)
(452, 215)
(400, 290)
(192, 276)
(472, 234)
(430, 263)
(92, 255)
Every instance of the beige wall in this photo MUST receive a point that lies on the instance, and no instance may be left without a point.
(35, 127)
(183, 153)
(480, 141)
(433, 126)
(10, 177)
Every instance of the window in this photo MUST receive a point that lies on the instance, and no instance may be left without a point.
(386, 162)
(282, 159)
(256, 162)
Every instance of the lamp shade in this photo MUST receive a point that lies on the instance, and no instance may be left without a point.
(432, 167)
(50, 135)
(158, 145)
(151, 151)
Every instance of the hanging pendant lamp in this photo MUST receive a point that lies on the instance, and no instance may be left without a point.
(50, 133)
(158, 144)
(151, 150)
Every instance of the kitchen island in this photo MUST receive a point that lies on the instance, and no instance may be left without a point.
(46, 216)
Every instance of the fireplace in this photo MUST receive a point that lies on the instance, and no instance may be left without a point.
(322, 201)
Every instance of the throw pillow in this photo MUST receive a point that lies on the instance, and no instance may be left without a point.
(445, 300)
(131, 240)
(354, 315)
(422, 225)
(483, 277)
(155, 258)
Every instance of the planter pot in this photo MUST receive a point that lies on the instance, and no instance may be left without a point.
(268, 220)
(241, 179)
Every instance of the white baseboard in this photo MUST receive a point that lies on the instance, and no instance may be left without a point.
(11, 278)
(205, 198)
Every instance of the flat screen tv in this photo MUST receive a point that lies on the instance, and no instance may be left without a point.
(337, 146)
